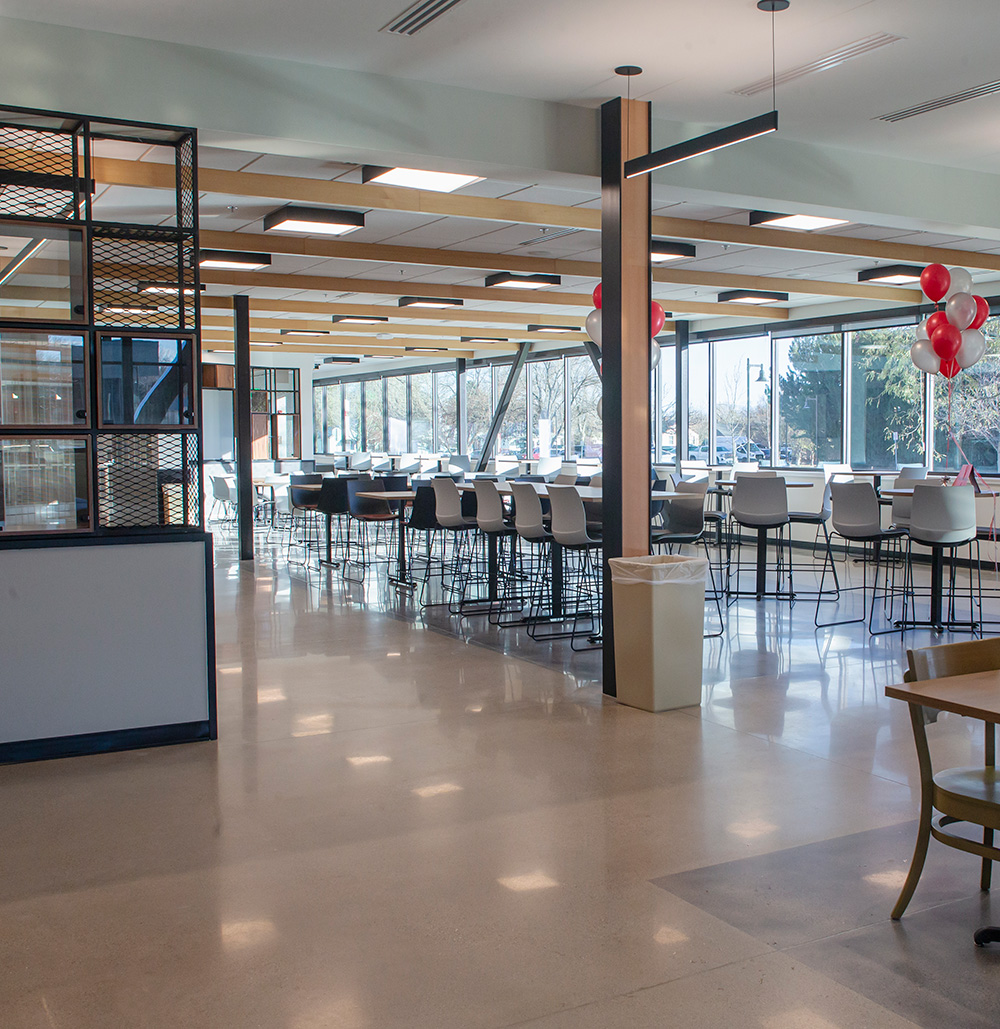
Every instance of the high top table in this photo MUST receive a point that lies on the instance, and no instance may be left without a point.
(402, 579)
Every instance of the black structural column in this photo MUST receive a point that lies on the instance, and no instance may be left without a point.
(681, 407)
(244, 434)
(625, 324)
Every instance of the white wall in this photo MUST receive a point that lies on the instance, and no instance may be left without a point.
(102, 638)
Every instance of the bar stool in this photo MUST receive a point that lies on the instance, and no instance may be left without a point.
(367, 513)
(582, 574)
(422, 519)
(305, 513)
(529, 521)
(496, 530)
(943, 518)
(856, 519)
(819, 519)
(760, 502)
(450, 514)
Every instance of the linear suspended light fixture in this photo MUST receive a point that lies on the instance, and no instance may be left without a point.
(483, 339)
(806, 222)
(167, 288)
(425, 350)
(415, 178)
(128, 309)
(893, 274)
(700, 145)
(750, 296)
(433, 302)
(358, 319)
(306, 332)
(666, 250)
(341, 360)
(317, 220)
(237, 259)
(515, 280)
(553, 328)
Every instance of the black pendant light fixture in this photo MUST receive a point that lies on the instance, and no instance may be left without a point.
(742, 131)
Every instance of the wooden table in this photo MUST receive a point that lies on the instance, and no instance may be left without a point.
(402, 579)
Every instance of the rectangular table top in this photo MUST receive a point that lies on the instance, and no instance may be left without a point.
(789, 483)
(976, 695)
(395, 494)
(908, 492)
(586, 492)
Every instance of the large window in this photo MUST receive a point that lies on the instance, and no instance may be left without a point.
(446, 430)
(548, 408)
(398, 435)
(352, 416)
(375, 414)
(513, 438)
(967, 411)
(698, 405)
(421, 412)
(274, 413)
(479, 406)
(810, 400)
(586, 429)
(743, 400)
(887, 424)
(667, 372)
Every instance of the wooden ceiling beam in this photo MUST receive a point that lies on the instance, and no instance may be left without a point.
(226, 343)
(271, 280)
(443, 258)
(284, 188)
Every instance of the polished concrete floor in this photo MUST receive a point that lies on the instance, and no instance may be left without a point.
(412, 820)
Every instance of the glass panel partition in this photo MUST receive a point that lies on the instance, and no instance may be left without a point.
(41, 273)
(43, 484)
(810, 401)
(146, 381)
(42, 379)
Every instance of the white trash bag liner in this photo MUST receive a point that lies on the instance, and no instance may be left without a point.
(657, 568)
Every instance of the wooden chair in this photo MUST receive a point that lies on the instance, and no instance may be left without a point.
(957, 794)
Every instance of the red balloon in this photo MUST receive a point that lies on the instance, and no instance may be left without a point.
(949, 368)
(597, 296)
(936, 319)
(982, 313)
(947, 341)
(656, 318)
(935, 281)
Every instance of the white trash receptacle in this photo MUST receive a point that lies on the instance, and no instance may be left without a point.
(659, 626)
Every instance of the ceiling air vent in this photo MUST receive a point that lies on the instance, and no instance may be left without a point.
(827, 61)
(418, 16)
(942, 101)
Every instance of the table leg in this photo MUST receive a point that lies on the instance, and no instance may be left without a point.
(401, 550)
(761, 562)
(492, 564)
(937, 585)
(555, 550)
(329, 538)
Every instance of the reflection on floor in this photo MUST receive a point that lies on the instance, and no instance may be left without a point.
(416, 820)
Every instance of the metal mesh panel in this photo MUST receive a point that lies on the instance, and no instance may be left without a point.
(147, 479)
(36, 173)
(136, 279)
(185, 170)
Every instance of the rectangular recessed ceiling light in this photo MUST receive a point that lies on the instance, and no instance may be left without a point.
(707, 144)
(168, 288)
(306, 332)
(553, 328)
(750, 296)
(238, 259)
(435, 302)
(806, 222)
(415, 178)
(313, 220)
(357, 319)
(516, 281)
(264, 343)
(129, 309)
(894, 274)
(666, 250)
(426, 350)
(483, 339)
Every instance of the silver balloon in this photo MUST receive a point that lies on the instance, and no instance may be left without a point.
(961, 282)
(961, 310)
(922, 332)
(654, 356)
(972, 349)
(594, 325)
(923, 356)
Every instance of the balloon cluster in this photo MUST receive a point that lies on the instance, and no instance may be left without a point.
(657, 317)
(950, 339)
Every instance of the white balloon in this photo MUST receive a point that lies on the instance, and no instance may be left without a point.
(923, 356)
(654, 356)
(961, 282)
(594, 325)
(961, 310)
(922, 332)
(972, 349)
(600, 409)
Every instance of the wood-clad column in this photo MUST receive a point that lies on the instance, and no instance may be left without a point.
(625, 271)
(244, 433)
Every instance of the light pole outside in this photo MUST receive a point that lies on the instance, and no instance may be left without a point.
(760, 378)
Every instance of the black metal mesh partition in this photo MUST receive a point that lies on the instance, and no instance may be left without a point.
(132, 294)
